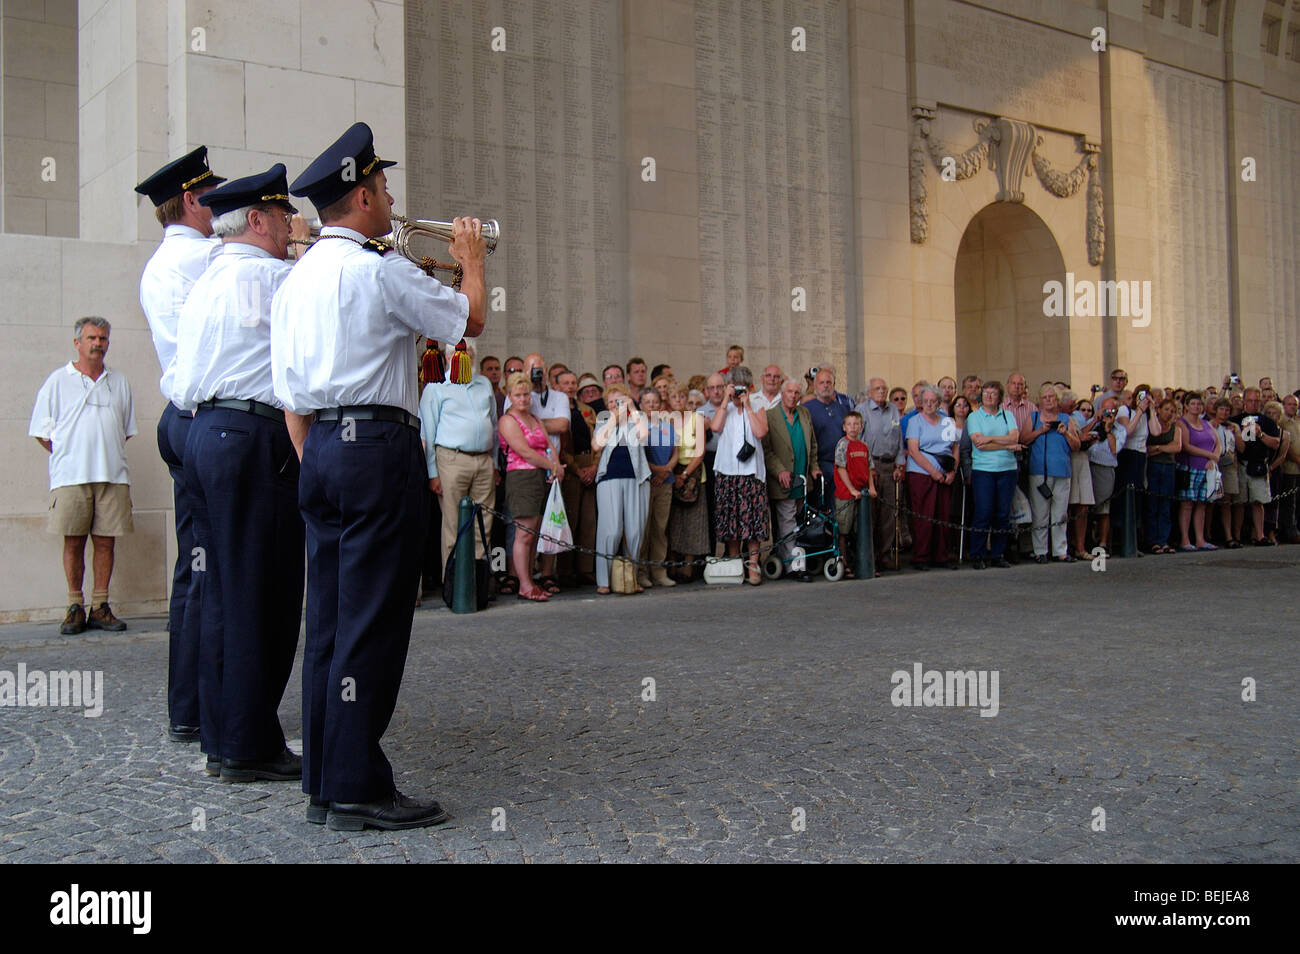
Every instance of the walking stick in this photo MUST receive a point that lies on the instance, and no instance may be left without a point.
(898, 526)
(961, 534)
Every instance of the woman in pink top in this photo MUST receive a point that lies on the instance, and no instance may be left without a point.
(523, 437)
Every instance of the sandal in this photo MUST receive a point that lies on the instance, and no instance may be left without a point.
(602, 590)
(549, 584)
(1234, 544)
(508, 585)
(1208, 546)
(536, 596)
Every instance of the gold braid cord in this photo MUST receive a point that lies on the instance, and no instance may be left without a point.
(430, 265)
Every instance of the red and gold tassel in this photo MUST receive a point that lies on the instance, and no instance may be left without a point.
(462, 368)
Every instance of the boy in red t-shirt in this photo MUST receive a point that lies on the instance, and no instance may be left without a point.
(853, 474)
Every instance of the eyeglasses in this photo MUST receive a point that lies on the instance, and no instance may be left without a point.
(1119, 377)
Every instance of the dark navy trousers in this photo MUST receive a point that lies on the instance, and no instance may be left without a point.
(243, 474)
(364, 501)
(183, 652)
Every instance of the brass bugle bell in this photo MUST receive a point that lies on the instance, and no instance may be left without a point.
(404, 230)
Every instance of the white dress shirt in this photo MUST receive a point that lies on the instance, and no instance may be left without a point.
(761, 402)
(182, 257)
(556, 405)
(343, 326)
(224, 329)
(87, 423)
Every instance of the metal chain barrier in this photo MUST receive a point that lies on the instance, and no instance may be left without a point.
(764, 551)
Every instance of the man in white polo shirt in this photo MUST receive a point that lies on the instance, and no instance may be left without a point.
(552, 409)
(84, 417)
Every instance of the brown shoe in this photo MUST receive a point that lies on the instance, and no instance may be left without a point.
(74, 622)
(103, 618)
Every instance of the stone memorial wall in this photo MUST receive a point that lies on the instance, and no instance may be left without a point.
(1188, 222)
(775, 182)
(529, 134)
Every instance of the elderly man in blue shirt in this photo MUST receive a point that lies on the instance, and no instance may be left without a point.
(458, 425)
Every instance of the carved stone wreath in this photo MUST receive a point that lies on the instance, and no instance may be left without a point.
(1009, 146)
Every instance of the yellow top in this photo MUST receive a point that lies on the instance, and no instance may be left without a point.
(691, 444)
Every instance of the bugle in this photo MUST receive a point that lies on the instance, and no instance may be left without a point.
(405, 230)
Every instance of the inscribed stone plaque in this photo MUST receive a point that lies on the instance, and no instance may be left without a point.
(530, 135)
(775, 179)
(1188, 221)
(996, 64)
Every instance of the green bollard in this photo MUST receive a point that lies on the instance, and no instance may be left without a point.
(1126, 546)
(463, 597)
(866, 540)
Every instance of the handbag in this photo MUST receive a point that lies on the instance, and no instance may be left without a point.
(746, 449)
(481, 567)
(622, 575)
(1213, 484)
(686, 488)
(728, 570)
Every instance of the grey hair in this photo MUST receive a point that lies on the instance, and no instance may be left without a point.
(100, 323)
(741, 375)
(931, 389)
(232, 223)
(645, 391)
(697, 394)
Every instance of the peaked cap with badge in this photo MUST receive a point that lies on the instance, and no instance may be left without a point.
(259, 189)
(340, 168)
(179, 175)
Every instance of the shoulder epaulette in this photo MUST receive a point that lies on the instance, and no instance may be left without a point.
(375, 245)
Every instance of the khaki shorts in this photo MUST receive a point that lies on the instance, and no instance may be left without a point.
(1254, 490)
(103, 510)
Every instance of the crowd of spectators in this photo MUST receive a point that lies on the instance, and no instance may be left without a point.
(667, 471)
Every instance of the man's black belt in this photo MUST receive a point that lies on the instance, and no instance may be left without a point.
(370, 412)
(248, 407)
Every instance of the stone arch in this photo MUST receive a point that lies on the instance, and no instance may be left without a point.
(1005, 255)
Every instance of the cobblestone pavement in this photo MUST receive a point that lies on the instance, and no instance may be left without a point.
(1118, 690)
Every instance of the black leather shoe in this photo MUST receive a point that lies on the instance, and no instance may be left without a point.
(1041, 559)
(283, 768)
(394, 813)
(804, 577)
(1001, 563)
(183, 733)
(213, 767)
(317, 810)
